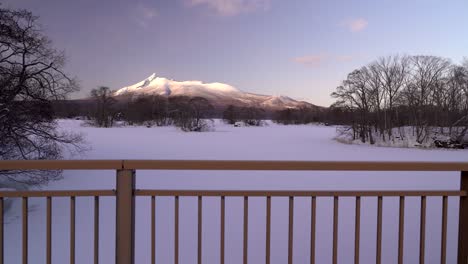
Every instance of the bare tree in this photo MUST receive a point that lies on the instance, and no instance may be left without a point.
(159, 110)
(31, 76)
(426, 73)
(356, 92)
(457, 102)
(104, 113)
(190, 114)
(231, 114)
(393, 74)
(201, 110)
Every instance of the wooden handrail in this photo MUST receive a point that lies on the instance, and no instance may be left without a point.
(61, 164)
(267, 165)
(279, 193)
(60, 193)
(126, 193)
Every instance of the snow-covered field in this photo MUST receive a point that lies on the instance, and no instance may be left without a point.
(273, 142)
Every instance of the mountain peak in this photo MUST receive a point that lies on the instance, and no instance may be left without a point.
(164, 86)
(148, 80)
(219, 94)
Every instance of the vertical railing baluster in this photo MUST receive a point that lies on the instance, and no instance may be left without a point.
(335, 230)
(357, 229)
(378, 254)
(313, 218)
(291, 230)
(1, 231)
(96, 229)
(246, 229)
(422, 231)
(200, 226)
(463, 221)
(25, 230)
(268, 230)
(153, 230)
(221, 244)
(72, 230)
(401, 227)
(49, 231)
(444, 231)
(176, 230)
(125, 217)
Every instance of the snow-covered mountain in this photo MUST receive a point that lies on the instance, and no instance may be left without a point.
(219, 94)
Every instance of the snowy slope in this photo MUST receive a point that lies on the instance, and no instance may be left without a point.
(217, 93)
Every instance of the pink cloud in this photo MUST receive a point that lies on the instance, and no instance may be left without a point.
(310, 60)
(231, 7)
(344, 58)
(356, 25)
(321, 59)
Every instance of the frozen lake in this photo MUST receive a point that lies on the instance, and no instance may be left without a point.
(273, 142)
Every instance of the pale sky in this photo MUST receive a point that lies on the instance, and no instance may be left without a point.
(299, 48)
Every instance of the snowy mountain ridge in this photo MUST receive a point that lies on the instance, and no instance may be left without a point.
(219, 94)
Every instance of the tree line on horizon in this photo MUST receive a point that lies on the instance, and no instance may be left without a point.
(187, 113)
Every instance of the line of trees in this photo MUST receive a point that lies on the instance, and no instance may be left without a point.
(249, 116)
(150, 110)
(298, 116)
(190, 114)
(429, 94)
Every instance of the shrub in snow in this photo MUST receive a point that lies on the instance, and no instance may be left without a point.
(191, 114)
(193, 125)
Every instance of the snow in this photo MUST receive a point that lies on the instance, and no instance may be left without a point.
(402, 137)
(216, 92)
(272, 142)
(163, 86)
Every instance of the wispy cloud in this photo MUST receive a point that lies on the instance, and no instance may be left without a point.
(356, 25)
(311, 60)
(144, 15)
(231, 7)
(345, 58)
(321, 59)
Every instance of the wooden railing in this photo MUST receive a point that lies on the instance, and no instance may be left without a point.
(126, 192)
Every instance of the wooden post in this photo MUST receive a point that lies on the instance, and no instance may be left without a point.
(125, 222)
(463, 222)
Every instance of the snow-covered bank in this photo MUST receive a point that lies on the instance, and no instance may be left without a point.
(273, 142)
(403, 137)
